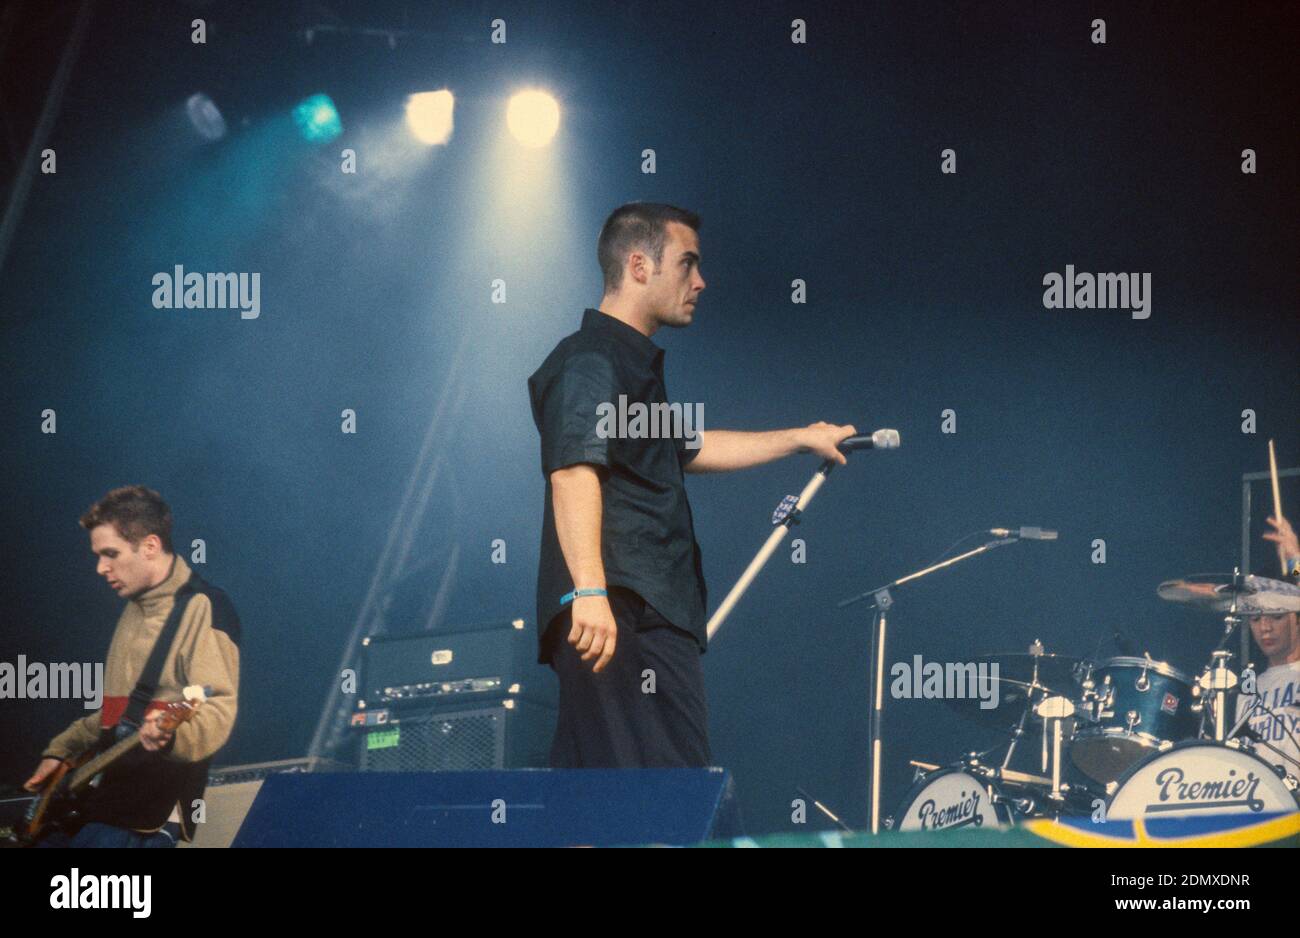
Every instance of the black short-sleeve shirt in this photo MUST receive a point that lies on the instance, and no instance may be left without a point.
(647, 534)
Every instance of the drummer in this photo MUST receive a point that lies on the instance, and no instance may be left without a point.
(1277, 688)
(1288, 546)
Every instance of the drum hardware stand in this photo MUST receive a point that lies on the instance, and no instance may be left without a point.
(1249, 744)
(882, 600)
(1243, 743)
(1246, 744)
(826, 811)
(1018, 731)
(1143, 682)
(1054, 711)
(1023, 805)
(1093, 703)
(1231, 620)
(1018, 778)
(920, 770)
(1218, 680)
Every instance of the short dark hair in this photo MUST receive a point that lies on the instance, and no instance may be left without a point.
(637, 226)
(135, 512)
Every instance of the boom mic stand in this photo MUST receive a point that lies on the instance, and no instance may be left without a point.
(882, 600)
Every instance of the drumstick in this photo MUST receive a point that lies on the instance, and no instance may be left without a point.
(1277, 496)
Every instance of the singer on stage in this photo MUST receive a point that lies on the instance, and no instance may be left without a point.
(620, 585)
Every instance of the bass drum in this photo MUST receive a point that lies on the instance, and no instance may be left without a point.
(948, 799)
(1200, 777)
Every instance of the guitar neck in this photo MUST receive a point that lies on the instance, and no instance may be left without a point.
(173, 715)
(82, 776)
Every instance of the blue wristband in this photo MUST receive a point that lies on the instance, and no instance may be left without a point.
(570, 597)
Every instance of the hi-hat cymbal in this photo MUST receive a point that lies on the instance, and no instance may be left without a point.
(1216, 592)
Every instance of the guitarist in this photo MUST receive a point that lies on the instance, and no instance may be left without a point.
(176, 630)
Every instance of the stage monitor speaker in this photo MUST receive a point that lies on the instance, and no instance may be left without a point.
(520, 808)
(230, 793)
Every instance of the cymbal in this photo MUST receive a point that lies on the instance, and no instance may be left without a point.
(1014, 684)
(1055, 672)
(1215, 592)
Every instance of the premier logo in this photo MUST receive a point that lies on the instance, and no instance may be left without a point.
(103, 892)
(962, 813)
(1177, 794)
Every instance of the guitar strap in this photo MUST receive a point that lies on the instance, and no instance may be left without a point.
(145, 687)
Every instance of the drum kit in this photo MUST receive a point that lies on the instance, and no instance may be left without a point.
(1121, 738)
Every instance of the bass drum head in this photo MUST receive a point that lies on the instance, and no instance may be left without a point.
(1200, 777)
(949, 799)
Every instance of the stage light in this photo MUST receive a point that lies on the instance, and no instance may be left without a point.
(205, 117)
(428, 115)
(318, 119)
(533, 117)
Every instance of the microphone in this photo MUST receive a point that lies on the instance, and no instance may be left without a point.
(881, 439)
(1025, 534)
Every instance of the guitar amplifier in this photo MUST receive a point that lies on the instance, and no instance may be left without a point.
(493, 660)
(509, 733)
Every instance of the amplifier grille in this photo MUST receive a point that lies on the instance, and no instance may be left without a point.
(438, 742)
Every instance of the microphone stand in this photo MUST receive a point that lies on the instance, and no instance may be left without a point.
(882, 600)
(779, 532)
(788, 514)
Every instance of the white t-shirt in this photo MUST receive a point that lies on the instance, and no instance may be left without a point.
(1277, 688)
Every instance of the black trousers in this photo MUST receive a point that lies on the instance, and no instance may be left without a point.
(646, 709)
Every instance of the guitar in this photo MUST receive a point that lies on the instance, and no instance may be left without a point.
(57, 801)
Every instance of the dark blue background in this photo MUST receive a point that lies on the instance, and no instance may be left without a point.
(817, 161)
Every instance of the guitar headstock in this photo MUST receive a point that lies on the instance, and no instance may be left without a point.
(181, 711)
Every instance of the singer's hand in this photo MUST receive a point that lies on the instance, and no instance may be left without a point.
(1284, 537)
(594, 631)
(823, 439)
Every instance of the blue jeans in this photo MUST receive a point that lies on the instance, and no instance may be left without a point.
(95, 834)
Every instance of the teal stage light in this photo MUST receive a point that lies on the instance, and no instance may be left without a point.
(318, 119)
